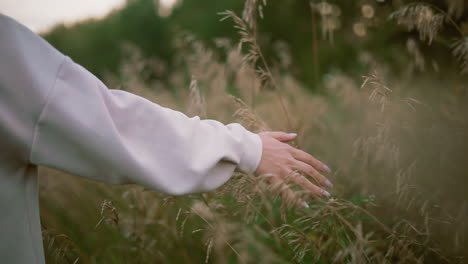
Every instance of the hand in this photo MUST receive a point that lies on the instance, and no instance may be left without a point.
(286, 162)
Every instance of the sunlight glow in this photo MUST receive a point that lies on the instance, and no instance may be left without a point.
(41, 15)
(166, 6)
(168, 3)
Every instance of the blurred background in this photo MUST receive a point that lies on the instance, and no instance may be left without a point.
(375, 88)
(328, 37)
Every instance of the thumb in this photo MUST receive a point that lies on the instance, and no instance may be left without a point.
(283, 136)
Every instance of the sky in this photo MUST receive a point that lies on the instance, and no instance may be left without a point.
(40, 15)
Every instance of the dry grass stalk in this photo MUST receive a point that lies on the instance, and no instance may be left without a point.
(460, 51)
(197, 104)
(248, 35)
(247, 117)
(330, 18)
(379, 91)
(422, 18)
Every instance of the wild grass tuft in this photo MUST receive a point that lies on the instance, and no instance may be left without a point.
(397, 147)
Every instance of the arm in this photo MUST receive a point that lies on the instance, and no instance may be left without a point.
(115, 136)
(60, 115)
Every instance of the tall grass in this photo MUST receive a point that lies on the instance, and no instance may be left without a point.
(397, 146)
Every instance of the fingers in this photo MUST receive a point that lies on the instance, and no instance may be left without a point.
(282, 136)
(309, 170)
(300, 180)
(309, 159)
(287, 193)
(282, 161)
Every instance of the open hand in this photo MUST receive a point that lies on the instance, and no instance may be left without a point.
(285, 162)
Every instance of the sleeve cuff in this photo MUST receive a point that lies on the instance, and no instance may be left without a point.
(252, 152)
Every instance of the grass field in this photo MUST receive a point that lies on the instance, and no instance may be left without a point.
(397, 145)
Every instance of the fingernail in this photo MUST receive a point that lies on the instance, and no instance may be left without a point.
(304, 204)
(328, 183)
(325, 193)
(326, 168)
(292, 134)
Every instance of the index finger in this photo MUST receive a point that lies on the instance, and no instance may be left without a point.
(309, 159)
(304, 183)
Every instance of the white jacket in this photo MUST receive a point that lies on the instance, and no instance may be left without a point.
(55, 113)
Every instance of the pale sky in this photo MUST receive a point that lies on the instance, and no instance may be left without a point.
(39, 15)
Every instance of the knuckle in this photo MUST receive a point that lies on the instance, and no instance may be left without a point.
(290, 160)
(300, 179)
(300, 152)
(311, 158)
(285, 171)
(311, 171)
(285, 147)
(292, 149)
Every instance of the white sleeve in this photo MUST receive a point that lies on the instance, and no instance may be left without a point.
(118, 137)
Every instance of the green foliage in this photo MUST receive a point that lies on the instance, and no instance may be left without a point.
(96, 44)
(320, 38)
